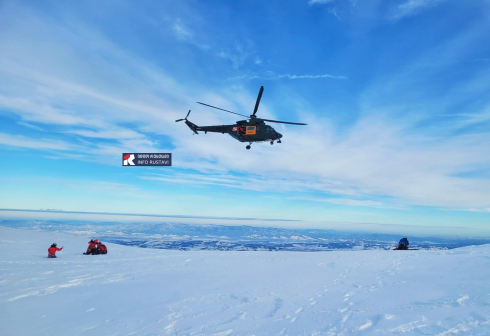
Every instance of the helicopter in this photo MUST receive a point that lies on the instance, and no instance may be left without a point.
(252, 130)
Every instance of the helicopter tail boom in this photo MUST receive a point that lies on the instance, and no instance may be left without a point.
(192, 126)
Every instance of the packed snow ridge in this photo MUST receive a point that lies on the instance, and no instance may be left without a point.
(136, 291)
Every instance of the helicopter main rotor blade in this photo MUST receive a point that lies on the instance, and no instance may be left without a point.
(223, 109)
(258, 100)
(283, 122)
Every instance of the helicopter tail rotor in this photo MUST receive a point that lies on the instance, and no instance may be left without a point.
(185, 117)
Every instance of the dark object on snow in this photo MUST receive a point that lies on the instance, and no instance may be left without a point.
(403, 244)
(52, 250)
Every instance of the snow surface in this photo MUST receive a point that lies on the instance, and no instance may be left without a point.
(137, 291)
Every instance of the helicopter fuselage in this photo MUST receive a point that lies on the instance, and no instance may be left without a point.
(253, 130)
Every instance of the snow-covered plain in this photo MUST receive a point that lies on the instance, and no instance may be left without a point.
(136, 291)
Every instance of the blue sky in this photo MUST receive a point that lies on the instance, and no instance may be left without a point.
(396, 95)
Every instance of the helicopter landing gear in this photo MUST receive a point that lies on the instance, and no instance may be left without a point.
(279, 141)
(248, 147)
(272, 142)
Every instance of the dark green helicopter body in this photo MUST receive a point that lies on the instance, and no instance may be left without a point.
(252, 130)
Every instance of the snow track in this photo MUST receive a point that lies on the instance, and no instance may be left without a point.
(135, 291)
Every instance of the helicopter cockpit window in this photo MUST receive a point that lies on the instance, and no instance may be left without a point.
(268, 129)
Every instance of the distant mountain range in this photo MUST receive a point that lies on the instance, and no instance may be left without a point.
(234, 238)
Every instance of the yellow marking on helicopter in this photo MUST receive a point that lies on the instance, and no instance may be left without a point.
(251, 130)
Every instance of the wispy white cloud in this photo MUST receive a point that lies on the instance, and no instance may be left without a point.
(413, 7)
(310, 76)
(37, 128)
(109, 132)
(287, 76)
(183, 33)
(476, 118)
(92, 99)
(238, 57)
(350, 202)
(250, 182)
(25, 142)
(319, 2)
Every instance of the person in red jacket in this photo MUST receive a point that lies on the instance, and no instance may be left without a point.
(52, 250)
(102, 248)
(92, 247)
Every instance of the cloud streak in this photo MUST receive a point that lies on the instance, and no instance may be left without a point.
(319, 2)
(24, 142)
(287, 76)
(413, 7)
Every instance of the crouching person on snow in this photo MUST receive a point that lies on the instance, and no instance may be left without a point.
(403, 244)
(102, 248)
(52, 250)
(92, 247)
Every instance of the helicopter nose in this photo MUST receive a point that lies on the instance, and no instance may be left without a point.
(279, 135)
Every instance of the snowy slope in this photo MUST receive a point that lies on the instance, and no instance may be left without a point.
(158, 292)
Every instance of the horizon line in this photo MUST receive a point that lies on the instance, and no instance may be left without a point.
(234, 218)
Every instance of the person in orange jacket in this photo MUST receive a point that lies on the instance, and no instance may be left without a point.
(52, 250)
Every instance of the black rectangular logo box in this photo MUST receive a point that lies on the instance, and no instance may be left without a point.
(147, 159)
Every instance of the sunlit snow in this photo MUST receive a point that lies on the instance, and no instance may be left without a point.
(142, 291)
